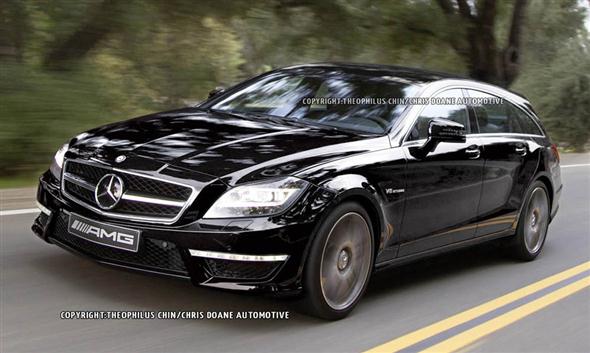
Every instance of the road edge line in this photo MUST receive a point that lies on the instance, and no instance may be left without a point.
(574, 165)
(20, 211)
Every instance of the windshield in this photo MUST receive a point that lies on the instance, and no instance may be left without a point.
(360, 102)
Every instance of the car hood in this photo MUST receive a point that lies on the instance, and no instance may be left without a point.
(219, 145)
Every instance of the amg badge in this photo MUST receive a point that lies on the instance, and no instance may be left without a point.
(104, 234)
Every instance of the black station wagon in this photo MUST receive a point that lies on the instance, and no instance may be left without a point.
(306, 179)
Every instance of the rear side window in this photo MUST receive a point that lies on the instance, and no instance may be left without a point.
(527, 125)
(456, 113)
(502, 117)
(493, 117)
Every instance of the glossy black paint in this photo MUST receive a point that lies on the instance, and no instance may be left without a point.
(421, 202)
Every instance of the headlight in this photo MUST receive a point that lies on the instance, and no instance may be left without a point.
(261, 199)
(58, 161)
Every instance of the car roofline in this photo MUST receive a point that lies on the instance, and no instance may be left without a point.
(442, 76)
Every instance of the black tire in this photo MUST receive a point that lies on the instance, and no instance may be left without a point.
(534, 217)
(332, 254)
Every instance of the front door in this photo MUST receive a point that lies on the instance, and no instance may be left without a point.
(443, 187)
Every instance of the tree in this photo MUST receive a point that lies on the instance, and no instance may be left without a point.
(105, 18)
(555, 72)
(13, 29)
(563, 99)
(476, 41)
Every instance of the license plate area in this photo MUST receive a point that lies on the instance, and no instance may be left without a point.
(103, 233)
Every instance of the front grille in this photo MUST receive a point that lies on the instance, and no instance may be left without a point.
(90, 173)
(157, 187)
(144, 198)
(246, 270)
(80, 192)
(146, 209)
(153, 254)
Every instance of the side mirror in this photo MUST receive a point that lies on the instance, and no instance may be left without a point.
(215, 91)
(441, 130)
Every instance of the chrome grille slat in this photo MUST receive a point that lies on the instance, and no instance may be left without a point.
(130, 196)
(82, 193)
(146, 198)
(78, 181)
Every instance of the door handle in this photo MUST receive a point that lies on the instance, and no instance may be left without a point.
(473, 152)
(520, 150)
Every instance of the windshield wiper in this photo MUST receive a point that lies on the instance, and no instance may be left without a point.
(230, 113)
(280, 119)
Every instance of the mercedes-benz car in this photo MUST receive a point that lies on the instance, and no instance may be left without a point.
(304, 180)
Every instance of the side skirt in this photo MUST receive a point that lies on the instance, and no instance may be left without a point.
(443, 249)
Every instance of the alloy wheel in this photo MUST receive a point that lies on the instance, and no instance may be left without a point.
(346, 261)
(537, 217)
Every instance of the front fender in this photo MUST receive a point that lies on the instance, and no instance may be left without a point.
(360, 189)
(354, 187)
(377, 181)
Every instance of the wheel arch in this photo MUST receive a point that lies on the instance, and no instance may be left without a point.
(546, 181)
(542, 177)
(374, 217)
(353, 188)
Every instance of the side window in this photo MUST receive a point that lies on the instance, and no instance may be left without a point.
(495, 115)
(456, 113)
(526, 123)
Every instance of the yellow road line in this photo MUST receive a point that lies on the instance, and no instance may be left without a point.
(469, 336)
(458, 319)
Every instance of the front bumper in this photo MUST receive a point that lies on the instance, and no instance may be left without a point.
(259, 253)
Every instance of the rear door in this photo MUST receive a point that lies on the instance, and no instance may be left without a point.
(510, 155)
(442, 188)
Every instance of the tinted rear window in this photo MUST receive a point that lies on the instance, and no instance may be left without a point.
(502, 118)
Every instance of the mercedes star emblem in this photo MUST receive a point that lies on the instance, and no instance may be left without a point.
(109, 191)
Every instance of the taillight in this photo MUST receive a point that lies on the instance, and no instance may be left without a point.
(555, 152)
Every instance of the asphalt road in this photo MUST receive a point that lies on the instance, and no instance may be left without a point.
(38, 281)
